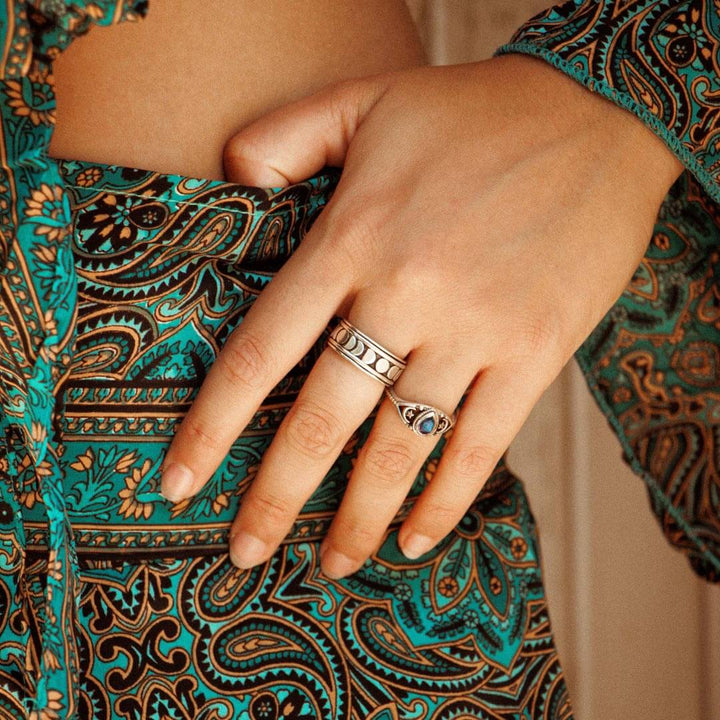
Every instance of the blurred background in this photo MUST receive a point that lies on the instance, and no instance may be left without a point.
(638, 633)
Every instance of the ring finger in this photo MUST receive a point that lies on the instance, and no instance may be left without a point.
(389, 462)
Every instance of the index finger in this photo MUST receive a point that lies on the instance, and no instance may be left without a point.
(277, 331)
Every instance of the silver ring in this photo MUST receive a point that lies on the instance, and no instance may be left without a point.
(365, 353)
(420, 418)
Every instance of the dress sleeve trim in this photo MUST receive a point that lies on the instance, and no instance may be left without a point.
(686, 157)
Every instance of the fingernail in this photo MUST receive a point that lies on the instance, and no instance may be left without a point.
(416, 545)
(176, 482)
(246, 550)
(336, 565)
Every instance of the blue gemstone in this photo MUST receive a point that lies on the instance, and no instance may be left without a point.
(427, 425)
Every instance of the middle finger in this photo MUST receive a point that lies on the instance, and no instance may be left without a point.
(334, 400)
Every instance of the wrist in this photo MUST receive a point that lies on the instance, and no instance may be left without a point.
(568, 108)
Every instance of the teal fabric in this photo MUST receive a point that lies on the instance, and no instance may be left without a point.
(38, 303)
(653, 362)
(166, 268)
(117, 288)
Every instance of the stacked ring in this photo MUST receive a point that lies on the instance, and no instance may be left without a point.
(371, 357)
(383, 365)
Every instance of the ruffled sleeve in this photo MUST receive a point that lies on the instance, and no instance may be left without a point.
(38, 308)
(653, 362)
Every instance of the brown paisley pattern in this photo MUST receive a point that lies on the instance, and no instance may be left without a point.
(167, 266)
(462, 632)
(652, 362)
(117, 288)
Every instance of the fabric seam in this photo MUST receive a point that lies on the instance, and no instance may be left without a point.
(190, 203)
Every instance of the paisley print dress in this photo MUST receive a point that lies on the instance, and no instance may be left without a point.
(118, 287)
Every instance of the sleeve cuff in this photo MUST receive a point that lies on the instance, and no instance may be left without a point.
(625, 100)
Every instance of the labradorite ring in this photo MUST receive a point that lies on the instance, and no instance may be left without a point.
(421, 419)
(363, 352)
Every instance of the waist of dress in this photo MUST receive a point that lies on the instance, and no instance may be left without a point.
(167, 266)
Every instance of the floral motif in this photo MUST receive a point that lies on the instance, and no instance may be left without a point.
(48, 205)
(518, 547)
(118, 220)
(34, 100)
(448, 586)
(132, 493)
(89, 176)
(53, 708)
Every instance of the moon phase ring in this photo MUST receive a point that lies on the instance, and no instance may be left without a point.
(365, 353)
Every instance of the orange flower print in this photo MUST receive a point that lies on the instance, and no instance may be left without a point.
(448, 586)
(52, 710)
(131, 504)
(126, 461)
(220, 502)
(48, 204)
(51, 660)
(518, 548)
(88, 177)
(28, 498)
(84, 461)
(38, 432)
(49, 321)
(47, 255)
(35, 99)
(54, 566)
(180, 507)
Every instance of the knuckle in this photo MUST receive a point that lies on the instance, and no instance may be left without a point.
(269, 508)
(242, 148)
(440, 515)
(346, 101)
(388, 459)
(196, 432)
(312, 429)
(474, 462)
(355, 240)
(358, 540)
(244, 363)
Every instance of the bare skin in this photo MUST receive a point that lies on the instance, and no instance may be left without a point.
(530, 198)
(167, 92)
(513, 201)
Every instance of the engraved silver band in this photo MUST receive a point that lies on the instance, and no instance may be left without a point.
(365, 353)
(420, 418)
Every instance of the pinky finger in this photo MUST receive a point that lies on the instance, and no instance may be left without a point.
(493, 413)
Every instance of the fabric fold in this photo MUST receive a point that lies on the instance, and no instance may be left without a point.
(38, 306)
(652, 363)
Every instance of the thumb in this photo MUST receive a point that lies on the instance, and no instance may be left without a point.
(297, 140)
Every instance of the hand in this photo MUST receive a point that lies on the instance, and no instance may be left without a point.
(487, 218)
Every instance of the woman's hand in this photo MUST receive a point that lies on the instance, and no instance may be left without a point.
(487, 218)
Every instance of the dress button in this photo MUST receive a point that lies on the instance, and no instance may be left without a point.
(6, 513)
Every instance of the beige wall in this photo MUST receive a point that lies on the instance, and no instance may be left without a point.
(638, 633)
